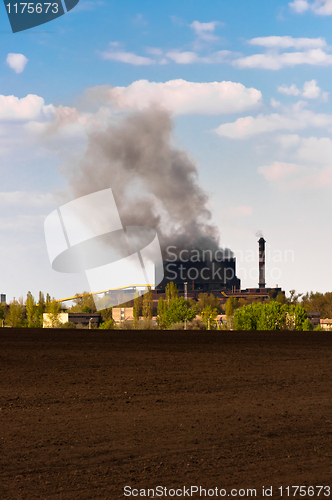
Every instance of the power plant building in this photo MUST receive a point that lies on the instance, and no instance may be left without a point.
(214, 276)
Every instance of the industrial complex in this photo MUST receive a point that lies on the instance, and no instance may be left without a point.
(214, 276)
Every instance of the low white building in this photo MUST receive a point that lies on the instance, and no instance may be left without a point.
(51, 320)
(326, 324)
(81, 319)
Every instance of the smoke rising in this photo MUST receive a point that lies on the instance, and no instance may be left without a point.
(154, 183)
(259, 234)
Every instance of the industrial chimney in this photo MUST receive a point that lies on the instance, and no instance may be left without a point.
(261, 243)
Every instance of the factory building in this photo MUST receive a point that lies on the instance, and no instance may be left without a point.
(214, 276)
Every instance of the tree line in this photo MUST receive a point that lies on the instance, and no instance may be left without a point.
(175, 312)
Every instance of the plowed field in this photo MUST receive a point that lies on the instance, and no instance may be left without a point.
(86, 413)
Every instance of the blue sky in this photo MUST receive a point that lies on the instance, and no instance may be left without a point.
(249, 87)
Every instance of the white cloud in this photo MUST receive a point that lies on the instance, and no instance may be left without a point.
(127, 57)
(288, 141)
(292, 90)
(21, 223)
(249, 126)
(319, 7)
(277, 171)
(154, 51)
(286, 42)
(33, 119)
(322, 7)
(17, 62)
(183, 57)
(294, 119)
(313, 167)
(310, 90)
(189, 57)
(204, 31)
(299, 6)
(30, 107)
(319, 180)
(275, 61)
(315, 150)
(312, 150)
(182, 97)
(24, 199)
(275, 104)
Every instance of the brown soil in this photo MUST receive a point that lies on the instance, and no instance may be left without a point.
(86, 413)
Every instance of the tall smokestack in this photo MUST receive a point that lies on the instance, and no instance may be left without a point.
(261, 243)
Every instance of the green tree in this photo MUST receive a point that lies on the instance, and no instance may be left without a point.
(41, 308)
(108, 325)
(107, 314)
(208, 316)
(15, 314)
(32, 312)
(3, 311)
(148, 304)
(84, 303)
(246, 318)
(171, 292)
(293, 297)
(242, 302)
(178, 311)
(53, 309)
(162, 306)
(271, 316)
(137, 309)
(205, 300)
(281, 298)
(230, 307)
(307, 325)
(316, 301)
(300, 317)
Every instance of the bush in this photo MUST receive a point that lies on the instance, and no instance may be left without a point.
(146, 324)
(108, 325)
(177, 326)
(126, 325)
(68, 324)
(196, 324)
(307, 325)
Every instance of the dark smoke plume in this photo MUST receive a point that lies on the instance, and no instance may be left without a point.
(154, 183)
